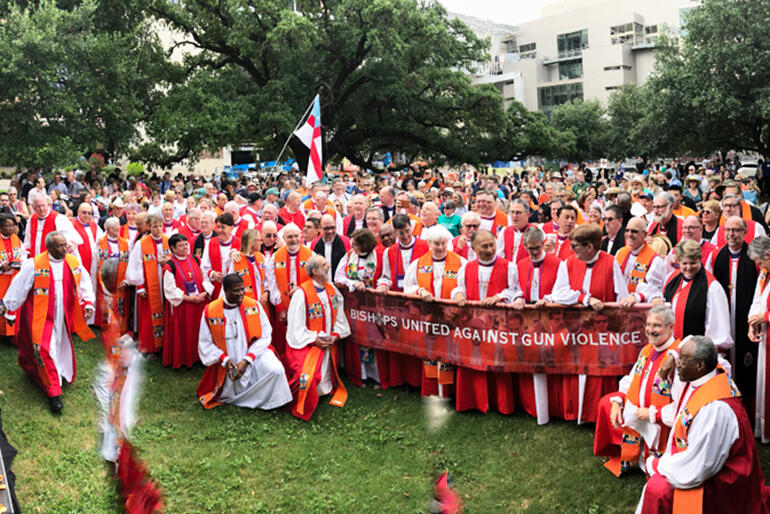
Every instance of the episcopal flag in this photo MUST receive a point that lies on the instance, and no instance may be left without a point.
(310, 135)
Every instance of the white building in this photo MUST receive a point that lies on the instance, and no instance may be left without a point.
(578, 49)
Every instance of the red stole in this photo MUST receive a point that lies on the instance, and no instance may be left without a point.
(498, 280)
(602, 286)
(215, 256)
(508, 239)
(549, 268)
(84, 250)
(48, 226)
(462, 253)
(419, 248)
(564, 251)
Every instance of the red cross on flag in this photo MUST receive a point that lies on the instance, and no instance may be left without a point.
(310, 135)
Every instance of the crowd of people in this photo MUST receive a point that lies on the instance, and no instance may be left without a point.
(245, 277)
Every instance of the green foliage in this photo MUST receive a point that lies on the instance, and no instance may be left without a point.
(135, 169)
(73, 81)
(527, 133)
(588, 127)
(711, 91)
(390, 73)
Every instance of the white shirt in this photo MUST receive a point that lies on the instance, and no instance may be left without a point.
(507, 295)
(654, 279)
(207, 267)
(62, 224)
(411, 287)
(564, 294)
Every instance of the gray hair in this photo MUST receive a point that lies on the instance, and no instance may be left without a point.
(759, 247)
(731, 196)
(314, 263)
(112, 221)
(133, 207)
(520, 201)
(50, 236)
(705, 351)
(666, 197)
(666, 312)
(209, 215)
(471, 216)
(436, 234)
(377, 211)
(533, 235)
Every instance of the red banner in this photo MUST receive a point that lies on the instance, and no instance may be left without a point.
(550, 339)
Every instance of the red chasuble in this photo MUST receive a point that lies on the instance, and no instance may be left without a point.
(182, 323)
(482, 390)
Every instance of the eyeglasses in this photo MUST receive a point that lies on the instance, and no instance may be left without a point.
(631, 231)
(707, 211)
(473, 225)
(329, 228)
(729, 205)
(735, 230)
(609, 218)
(268, 235)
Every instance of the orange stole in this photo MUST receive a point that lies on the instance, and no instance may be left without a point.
(282, 269)
(315, 318)
(718, 388)
(449, 280)
(215, 317)
(10, 251)
(152, 284)
(641, 266)
(119, 297)
(41, 287)
(246, 272)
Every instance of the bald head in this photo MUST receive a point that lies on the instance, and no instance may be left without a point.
(692, 228)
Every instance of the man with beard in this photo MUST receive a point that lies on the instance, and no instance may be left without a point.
(664, 221)
(629, 422)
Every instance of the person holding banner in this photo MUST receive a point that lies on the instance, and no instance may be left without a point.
(643, 269)
(591, 277)
(630, 422)
(510, 241)
(403, 369)
(537, 276)
(434, 275)
(489, 280)
(711, 462)
(697, 298)
(358, 270)
(316, 322)
(234, 342)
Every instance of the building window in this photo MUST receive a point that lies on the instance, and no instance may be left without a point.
(573, 43)
(626, 33)
(612, 88)
(570, 70)
(621, 67)
(528, 51)
(550, 96)
(510, 46)
(651, 33)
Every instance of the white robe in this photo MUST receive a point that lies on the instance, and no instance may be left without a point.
(299, 336)
(62, 224)
(654, 280)
(717, 314)
(60, 347)
(759, 306)
(387, 277)
(269, 284)
(263, 384)
(710, 437)
(507, 295)
(410, 282)
(341, 277)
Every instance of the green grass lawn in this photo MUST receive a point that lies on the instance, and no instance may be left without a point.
(373, 455)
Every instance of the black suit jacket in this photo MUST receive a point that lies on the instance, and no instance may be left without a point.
(386, 212)
(338, 251)
(620, 242)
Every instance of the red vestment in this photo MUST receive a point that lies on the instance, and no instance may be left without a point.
(180, 337)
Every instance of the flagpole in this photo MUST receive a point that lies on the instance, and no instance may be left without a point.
(301, 121)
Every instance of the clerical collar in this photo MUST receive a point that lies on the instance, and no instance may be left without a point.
(538, 262)
(590, 263)
(168, 223)
(157, 240)
(84, 223)
(250, 258)
(112, 240)
(407, 247)
(636, 252)
(52, 259)
(292, 254)
(439, 260)
(488, 217)
(525, 227)
(665, 345)
(561, 237)
(490, 263)
(228, 243)
(207, 236)
(228, 305)
(734, 255)
(319, 289)
(705, 378)
(132, 227)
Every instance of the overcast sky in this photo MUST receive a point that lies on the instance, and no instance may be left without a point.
(510, 12)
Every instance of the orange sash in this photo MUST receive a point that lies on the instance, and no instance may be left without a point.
(5, 256)
(152, 284)
(246, 271)
(41, 287)
(690, 501)
(449, 280)
(215, 317)
(315, 319)
(641, 266)
(282, 269)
